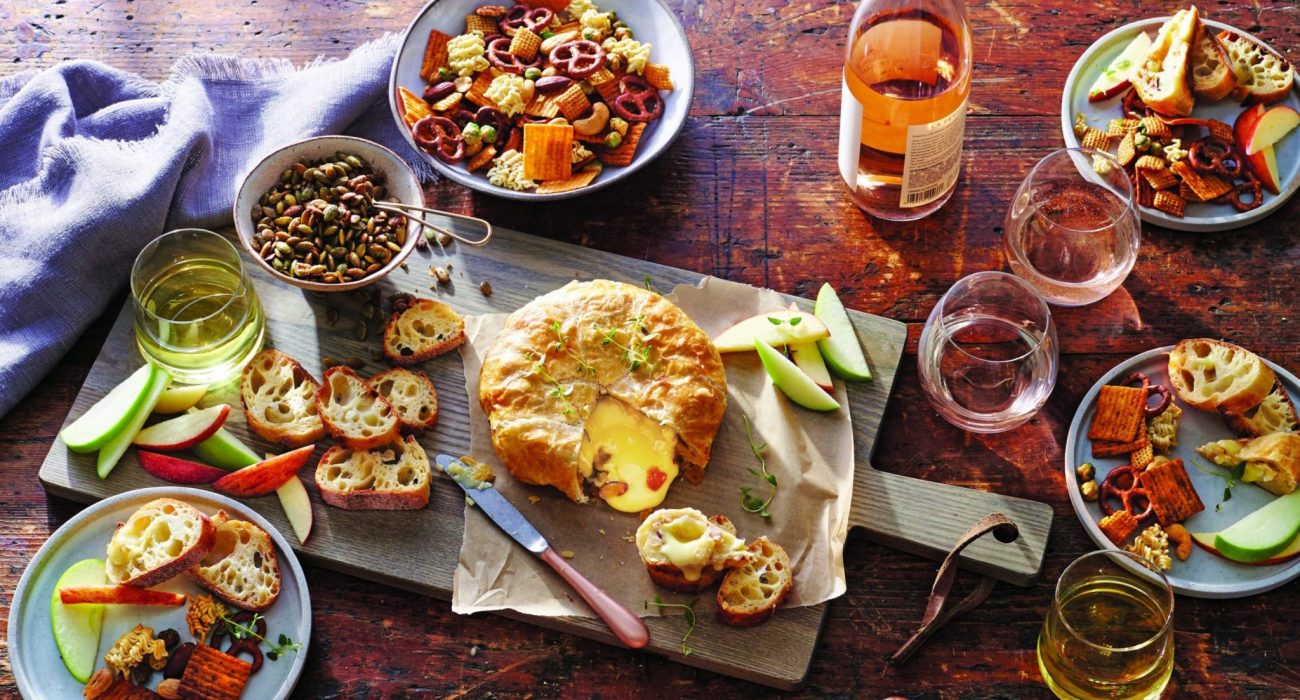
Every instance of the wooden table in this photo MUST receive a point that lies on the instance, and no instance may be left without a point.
(750, 193)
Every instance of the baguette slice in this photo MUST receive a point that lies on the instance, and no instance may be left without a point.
(161, 539)
(394, 477)
(1212, 375)
(1275, 414)
(241, 567)
(1262, 75)
(422, 329)
(412, 394)
(353, 412)
(279, 398)
(1162, 79)
(750, 593)
(1212, 74)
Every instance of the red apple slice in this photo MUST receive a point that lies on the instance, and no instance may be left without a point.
(265, 476)
(183, 431)
(1205, 540)
(1115, 78)
(176, 470)
(297, 506)
(119, 595)
(1271, 126)
(1264, 165)
(808, 358)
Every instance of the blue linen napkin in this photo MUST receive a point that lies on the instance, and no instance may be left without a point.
(97, 162)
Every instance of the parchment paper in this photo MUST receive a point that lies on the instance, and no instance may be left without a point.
(810, 453)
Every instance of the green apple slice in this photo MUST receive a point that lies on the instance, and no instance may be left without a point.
(1264, 532)
(113, 450)
(110, 414)
(225, 451)
(776, 328)
(77, 627)
(841, 350)
(791, 380)
(178, 398)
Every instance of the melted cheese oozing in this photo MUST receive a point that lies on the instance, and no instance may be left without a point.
(622, 444)
(687, 540)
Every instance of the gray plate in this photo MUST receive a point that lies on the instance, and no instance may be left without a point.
(40, 672)
(1199, 216)
(1203, 575)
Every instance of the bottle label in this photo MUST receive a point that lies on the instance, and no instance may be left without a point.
(933, 159)
(850, 135)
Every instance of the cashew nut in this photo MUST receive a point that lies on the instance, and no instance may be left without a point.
(562, 38)
(594, 124)
(1178, 535)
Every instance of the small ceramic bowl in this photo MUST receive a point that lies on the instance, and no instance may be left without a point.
(652, 21)
(399, 180)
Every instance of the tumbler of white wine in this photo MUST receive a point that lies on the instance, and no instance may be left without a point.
(1109, 632)
(196, 312)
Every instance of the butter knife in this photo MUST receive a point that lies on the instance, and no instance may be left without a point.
(629, 628)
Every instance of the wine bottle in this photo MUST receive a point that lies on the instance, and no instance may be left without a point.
(907, 73)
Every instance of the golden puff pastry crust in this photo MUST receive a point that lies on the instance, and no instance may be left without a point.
(560, 353)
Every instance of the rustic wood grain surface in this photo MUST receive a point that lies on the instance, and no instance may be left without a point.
(750, 193)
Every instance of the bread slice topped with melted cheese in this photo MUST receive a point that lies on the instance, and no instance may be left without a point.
(1272, 461)
(687, 552)
(1161, 78)
(279, 398)
(241, 568)
(161, 539)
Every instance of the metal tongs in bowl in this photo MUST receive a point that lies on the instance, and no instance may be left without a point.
(406, 209)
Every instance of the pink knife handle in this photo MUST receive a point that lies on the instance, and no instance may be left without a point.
(627, 627)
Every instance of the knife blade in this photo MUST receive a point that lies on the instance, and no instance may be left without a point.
(629, 628)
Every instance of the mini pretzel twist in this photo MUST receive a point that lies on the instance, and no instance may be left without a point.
(1130, 497)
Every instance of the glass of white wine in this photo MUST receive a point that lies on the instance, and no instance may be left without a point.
(1073, 229)
(196, 312)
(1109, 632)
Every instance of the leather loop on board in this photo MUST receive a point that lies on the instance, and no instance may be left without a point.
(935, 615)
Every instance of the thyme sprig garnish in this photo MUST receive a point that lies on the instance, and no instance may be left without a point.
(562, 344)
(688, 609)
(636, 352)
(558, 390)
(750, 503)
(650, 286)
(239, 630)
(1230, 481)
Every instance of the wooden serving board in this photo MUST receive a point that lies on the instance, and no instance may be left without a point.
(418, 550)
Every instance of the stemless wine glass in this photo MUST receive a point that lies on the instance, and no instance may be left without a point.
(196, 313)
(1073, 229)
(1109, 632)
(988, 353)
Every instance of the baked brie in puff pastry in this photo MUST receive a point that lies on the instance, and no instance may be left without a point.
(604, 385)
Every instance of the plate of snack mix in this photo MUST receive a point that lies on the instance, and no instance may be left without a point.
(1201, 115)
(1175, 450)
(545, 99)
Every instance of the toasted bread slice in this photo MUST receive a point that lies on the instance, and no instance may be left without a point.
(1262, 75)
(423, 329)
(1275, 414)
(279, 399)
(353, 412)
(1212, 74)
(241, 567)
(687, 552)
(1272, 461)
(750, 593)
(412, 394)
(1162, 79)
(1212, 375)
(160, 540)
(393, 477)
